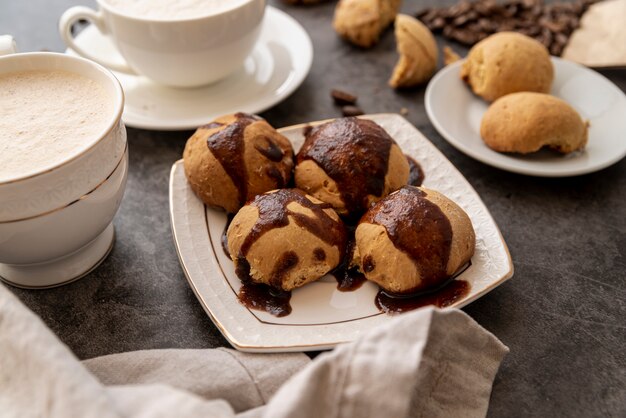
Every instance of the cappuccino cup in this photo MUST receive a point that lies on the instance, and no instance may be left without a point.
(63, 166)
(187, 43)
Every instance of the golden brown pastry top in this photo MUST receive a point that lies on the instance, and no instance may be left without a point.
(234, 158)
(507, 62)
(525, 122)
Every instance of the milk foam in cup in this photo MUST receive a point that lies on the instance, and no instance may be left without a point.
(47, 116)
(172, 10)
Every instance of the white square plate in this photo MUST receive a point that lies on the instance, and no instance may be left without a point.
(321, 315)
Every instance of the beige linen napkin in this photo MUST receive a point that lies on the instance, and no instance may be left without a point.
(427, 363)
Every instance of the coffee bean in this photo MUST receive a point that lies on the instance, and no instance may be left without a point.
(560, 39)
(438, 23)
(351, 111)
(343, 98)
(556, 49)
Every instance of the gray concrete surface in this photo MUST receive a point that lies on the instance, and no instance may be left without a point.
(562, 314)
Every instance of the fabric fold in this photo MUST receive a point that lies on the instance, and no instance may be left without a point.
(244, 380)
(428, 363)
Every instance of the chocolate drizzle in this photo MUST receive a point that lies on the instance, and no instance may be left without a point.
(418, 228)
(354, 153)
(287, 261)
(276, 175)
(227, 145)
(368, 264)
(274, 213)
(348, 277)
(271, 151)
(319, 254)
(416, 174)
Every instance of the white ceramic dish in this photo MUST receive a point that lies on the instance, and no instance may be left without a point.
(278, 64)
(456, 113)
(321, 316)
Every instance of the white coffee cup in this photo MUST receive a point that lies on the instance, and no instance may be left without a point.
(178, 52)
(56, 221)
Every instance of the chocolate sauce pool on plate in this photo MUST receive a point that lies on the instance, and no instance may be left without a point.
(265, 298)
(445, 296)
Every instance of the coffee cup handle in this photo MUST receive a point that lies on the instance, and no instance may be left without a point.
(7, 45)
(71, 16)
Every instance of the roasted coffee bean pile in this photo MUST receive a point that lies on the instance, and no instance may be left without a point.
(469, 22)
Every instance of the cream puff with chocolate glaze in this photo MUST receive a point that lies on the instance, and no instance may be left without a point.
(234, 158)
(285, 239)
(350, 163)
(413, 240)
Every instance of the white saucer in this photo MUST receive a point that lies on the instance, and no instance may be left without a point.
(456, 113)
(277, 66)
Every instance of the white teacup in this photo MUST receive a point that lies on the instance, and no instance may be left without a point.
(55, 216)
(194, 48)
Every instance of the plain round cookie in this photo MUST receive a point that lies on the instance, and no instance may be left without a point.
(526, 122)
(395, 269)
(261, 159)
(507, 62)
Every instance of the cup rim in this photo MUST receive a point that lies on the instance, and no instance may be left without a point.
(117, 114)
(117, 12)
(119, 164)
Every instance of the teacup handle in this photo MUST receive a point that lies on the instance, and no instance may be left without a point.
(71, 16)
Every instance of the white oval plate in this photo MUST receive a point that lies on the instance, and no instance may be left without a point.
(456, 113)
(321, 315)
(278, 64)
